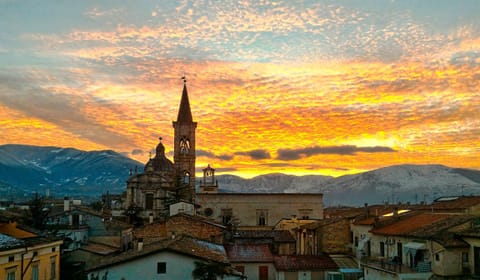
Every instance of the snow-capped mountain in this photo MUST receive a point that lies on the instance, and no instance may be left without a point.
(65, 171)
(401, 183)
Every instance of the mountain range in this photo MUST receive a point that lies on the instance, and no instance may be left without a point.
(70, 172)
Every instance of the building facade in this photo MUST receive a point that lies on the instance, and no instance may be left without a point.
(164, 182)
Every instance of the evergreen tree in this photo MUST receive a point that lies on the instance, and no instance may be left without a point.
(37, 212)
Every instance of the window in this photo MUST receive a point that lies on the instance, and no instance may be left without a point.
(240, 268)
(226, 215)
(305, 213)
(382, 249)
(35, 271)
(437, 257)
(161, 267)
(10, 273)
(11, 258)
(53, 268)
(149, 201)
(262, 217)
(75, 220)
(356, 241)
(184, 145)
(186, 177)
(208, 212)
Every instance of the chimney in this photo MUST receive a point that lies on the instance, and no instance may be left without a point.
(66, 204)
(395, 212)
(367, 214)
(140, 244)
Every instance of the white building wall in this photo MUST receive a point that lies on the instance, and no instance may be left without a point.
(177, 267)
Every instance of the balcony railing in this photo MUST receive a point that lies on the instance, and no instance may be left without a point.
(395, 267)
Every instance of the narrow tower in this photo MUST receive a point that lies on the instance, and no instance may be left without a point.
(184, 145)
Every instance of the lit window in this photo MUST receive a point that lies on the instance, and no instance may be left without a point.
(186, 177)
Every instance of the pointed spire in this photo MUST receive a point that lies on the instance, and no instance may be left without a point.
(184, 113)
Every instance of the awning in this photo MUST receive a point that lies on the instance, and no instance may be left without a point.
(363, 242)
(361, 247)
(413, 247)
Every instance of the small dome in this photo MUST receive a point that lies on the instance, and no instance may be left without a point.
(160, 162)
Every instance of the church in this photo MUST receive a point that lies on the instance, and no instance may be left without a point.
(164, 183)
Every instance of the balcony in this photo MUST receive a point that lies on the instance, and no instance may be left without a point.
(383, 266)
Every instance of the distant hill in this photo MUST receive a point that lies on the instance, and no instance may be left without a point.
(70, 172)
(63, 171)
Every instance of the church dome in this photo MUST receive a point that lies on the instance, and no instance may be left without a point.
(160, 162)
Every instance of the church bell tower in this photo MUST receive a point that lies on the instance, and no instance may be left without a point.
(184, 145)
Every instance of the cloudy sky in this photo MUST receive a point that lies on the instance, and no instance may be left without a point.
(299, 87)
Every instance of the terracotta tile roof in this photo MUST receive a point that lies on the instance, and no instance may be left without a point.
(455, 203)
(318, 224)
(275, 235)
(380, 212)
(300, 262)
(99, 249)
(249, 253)
(11, 229)
(475, 233)
(450, 240)
(421, 225)
(197, 219)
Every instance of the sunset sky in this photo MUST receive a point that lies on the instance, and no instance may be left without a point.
(297, 87)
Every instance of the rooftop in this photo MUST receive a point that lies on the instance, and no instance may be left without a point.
(302, 262)
(421, 224)
(249, 253)
(183, 245)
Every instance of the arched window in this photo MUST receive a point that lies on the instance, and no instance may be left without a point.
(184, 145)
(186, 177)
(262, 217)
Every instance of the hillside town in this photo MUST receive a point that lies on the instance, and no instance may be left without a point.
(168, 224)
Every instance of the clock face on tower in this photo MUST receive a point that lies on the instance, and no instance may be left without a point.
(184, 145)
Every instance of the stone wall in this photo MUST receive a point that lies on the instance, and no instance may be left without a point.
(246, 208)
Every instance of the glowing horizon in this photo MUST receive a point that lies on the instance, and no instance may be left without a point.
(322, 87)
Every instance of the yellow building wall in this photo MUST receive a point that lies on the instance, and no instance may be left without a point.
(46, 253)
